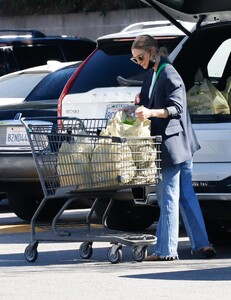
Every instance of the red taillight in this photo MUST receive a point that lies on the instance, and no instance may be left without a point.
(69, 84)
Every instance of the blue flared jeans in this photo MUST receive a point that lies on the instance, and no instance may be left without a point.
(175, 193)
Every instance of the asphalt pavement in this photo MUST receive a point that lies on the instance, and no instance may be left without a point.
(60, 273)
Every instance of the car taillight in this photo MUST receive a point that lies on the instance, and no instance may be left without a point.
(70, 82)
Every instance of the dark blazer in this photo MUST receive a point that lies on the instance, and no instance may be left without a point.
(178, 136)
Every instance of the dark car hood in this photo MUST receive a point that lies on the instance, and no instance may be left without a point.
(193, 10)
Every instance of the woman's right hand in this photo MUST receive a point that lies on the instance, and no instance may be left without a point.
(143, 113)
(130, 109)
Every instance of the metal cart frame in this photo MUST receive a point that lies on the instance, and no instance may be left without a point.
(61, 177)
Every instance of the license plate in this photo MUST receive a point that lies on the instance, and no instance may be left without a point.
(16, 136)
(113, 108)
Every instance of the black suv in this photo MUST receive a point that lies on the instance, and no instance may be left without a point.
(21, 49)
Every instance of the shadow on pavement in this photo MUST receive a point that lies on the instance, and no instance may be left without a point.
(212, 274)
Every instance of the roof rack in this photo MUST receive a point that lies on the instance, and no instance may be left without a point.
(21, 33)
(145, 25)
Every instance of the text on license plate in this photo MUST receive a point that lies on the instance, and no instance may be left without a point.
(16, 136)
(113, 108)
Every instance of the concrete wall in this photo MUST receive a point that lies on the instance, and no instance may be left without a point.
(90, 25)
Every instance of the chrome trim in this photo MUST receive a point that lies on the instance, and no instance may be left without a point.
(14, 150)
(201, 196)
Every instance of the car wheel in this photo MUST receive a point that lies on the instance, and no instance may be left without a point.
(218, 233)
(24, 200)
(127, 216)
(217, 220)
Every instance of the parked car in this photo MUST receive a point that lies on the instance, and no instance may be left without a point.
(204, 51)
(21, 49)
(13, 89)
(28, 93)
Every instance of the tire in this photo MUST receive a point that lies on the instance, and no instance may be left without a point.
(86, 250)
(31, 253)
(217, 216)
(218, 234)
(127, 216)
(114, 257)
(139, 254)
(24, 200)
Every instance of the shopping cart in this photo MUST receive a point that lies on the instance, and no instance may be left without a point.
(74, 160)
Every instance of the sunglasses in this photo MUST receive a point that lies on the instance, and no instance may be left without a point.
(138, 58)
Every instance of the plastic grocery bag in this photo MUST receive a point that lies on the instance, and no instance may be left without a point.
(123, 125)
(227, 92)
(112, 164)
(204, 98)
(74, 163)
(140, 145)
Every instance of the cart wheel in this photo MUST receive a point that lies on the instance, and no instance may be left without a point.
(85, 250)
(114, 255)
(139, 254)
(31, 253)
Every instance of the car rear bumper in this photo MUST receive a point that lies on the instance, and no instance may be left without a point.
(151, 198)
(17, 167)
(214, 196)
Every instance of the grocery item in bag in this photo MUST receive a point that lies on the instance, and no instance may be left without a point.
(227, 92)
(112, 164)
(74, 164)
(140, 143)
(204, 98)
(123, 125)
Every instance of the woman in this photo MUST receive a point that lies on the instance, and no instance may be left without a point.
(163, 101)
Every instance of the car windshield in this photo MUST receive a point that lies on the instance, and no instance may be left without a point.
(20, 85)
(52, 85)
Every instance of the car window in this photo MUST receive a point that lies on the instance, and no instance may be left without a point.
(37, 55)
(77, 51)
(102, 71)
(22, 53)
(8, 62)
(51, 86)
(109, 62)
(20, 85)
(208, 101)
(219, 60)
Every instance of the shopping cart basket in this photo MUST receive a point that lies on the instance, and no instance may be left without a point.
(74, 160)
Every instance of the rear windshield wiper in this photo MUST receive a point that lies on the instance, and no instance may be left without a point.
(128, 82)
